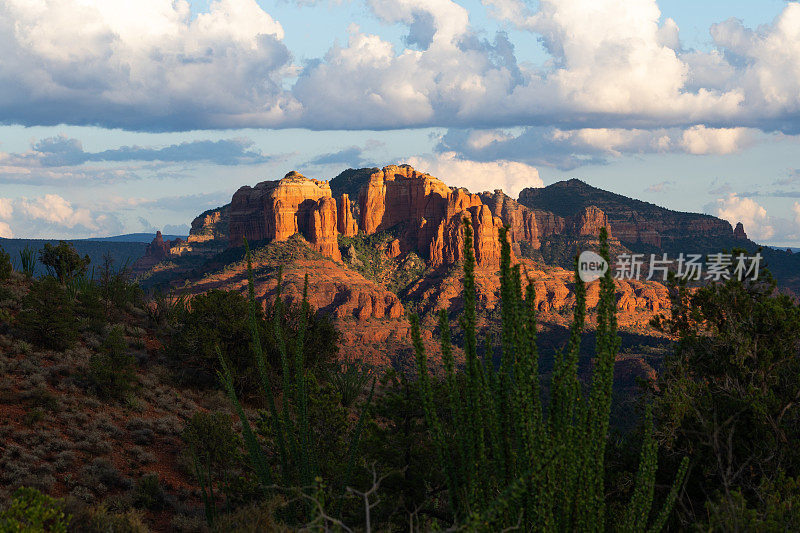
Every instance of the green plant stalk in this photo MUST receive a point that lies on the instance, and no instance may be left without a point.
(261, 364)
(254, 451)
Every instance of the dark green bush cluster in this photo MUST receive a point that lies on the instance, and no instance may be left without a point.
(6, 267)
(214, 449)
(729, 396)
(220, 319)
(62, 261)
(112, 370)
(47, 317)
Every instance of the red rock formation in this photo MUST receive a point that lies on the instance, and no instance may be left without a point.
(520, 220)
(739, 233)
(210, 225)
(346, 224)
(157, 249)
(431, 214)
(276, 210)
(590, 221)
(532, 225)
(322, 228)
(393, 249)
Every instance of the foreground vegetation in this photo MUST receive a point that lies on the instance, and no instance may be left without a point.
(168, 413)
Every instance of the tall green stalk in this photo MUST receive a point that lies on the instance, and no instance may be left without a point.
(290, 426)
(508, 464)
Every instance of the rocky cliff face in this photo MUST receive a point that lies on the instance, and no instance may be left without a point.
(210, 225)
(276, 210)
(532, 225)
(346, 223)
(738, 232)
(430, 214)
(157, 251)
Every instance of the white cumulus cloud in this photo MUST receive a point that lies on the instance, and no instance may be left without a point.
(700, 140)
(614, 64)
(477, 176)
(6, 209)
(56, 210)
(142, 65)
(753, 216)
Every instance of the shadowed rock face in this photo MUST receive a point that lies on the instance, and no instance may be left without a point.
(532, 225)
(738, 232)
(634, 222)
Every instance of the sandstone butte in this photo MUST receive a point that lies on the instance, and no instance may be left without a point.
(428, 212)
(425, 216)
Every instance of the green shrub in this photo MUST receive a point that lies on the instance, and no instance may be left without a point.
(31, 511)
(215, 319)
(89, 306)
(214, 449)
(148, 493)
(111, 371)
(220, 319)
(47, 317)
(62, 261)
(778, 508)
(6, 268)
(27, 260)
(253, 518)
(349, 380)
(101, 519)
(728, 395)
(116, 286)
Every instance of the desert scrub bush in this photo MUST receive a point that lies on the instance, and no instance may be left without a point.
(214, 450)
(252, 518)
(100, 519)
(32, 511)
(139, 456)
(148, 494)
(47, 317)
(111, 371)
(100, 476)
(141, 431)
(21, 347)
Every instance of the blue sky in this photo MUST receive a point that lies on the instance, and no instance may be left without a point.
(120, 117)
